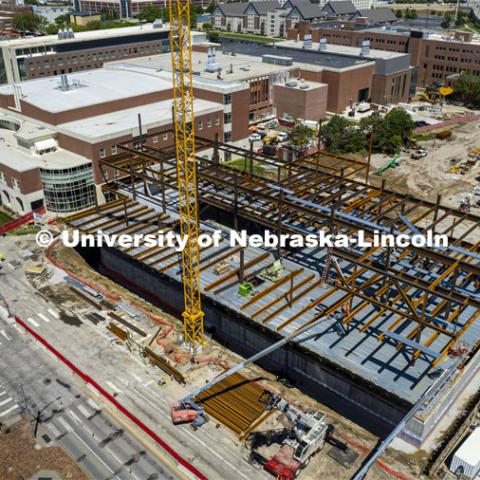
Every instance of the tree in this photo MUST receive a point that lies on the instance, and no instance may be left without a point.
(411, 14)
(299, 136)
(207, 26)
(467, 89)
(399, 13)
(63, 19)
(391, 131)
(150, 13)
(211, 7)
(213, 36)
(461, 19)
(342, 136)
(447, 20)
(29, 22)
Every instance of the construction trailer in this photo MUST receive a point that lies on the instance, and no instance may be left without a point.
(397, 317)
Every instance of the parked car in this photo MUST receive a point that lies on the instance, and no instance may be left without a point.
(282, 136)
(254, 137)
(419, 154)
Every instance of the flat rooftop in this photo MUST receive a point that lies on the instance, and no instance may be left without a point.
(94, 87)
(342, 50)
(90, 35)
(21, 160)
(330, 59)
(235, 68)
(125, 122)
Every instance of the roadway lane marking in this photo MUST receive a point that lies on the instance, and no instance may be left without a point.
(148, 383)
(113, 387)
(43, 317)
(8, 400)
(33, 322)
(20, 330)
(53, 313)
(94, 454)
(3, 393)
(5, 335)
(11, 409)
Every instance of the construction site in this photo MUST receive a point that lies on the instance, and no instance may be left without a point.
(207, 358)
(384, 324)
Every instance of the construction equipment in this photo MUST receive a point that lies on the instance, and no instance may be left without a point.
(390, 164)
(181, 51)
(307, 437)
(245, 289)
(273, 273)
(187, 410)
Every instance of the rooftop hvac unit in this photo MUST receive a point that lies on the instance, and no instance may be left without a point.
(307, 41)
(304, 86)
(291, 84)
(158, 23)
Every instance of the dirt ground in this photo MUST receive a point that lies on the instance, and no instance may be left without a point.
(430, 176)
(22, 457)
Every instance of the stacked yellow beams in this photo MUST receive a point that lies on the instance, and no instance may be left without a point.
(235, 402)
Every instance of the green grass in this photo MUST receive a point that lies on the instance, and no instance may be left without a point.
(422, 137)
(246, 36)
(471, 26)
(244, 166)
(24, 230)
(4, 218)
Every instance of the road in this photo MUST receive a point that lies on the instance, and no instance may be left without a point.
(92, 349)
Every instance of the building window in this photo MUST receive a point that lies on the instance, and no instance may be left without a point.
(165, 136)
(2, 177)
(209, 124)
(200, 125)
(114, 150)
(227, 118)
(102, 153)
(227, 99)
(217, 121)
(15, 183)
(155, 139)
(228, 136)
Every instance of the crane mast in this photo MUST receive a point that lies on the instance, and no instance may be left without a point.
(183, 119)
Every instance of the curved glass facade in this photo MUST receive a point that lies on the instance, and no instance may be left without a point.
(68, 190)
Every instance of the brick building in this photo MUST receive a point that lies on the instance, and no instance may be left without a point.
(55, 131)
(27, 58)
(435, 56)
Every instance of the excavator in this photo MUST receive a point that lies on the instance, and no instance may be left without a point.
(433, 96)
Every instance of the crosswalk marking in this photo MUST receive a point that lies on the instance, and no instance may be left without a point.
(82, 409)
(65, 424)
(93, 404)
(3, 402)
(74, 416)
(5, 335)
(3, 393)
(54, 430)
(20, 330)
(33, 322)
(11, 409)
(53, 313)
(43, 317)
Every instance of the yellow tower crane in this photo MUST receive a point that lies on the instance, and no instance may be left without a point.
(181, 51)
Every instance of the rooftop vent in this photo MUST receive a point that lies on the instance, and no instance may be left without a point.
(212, 64)
(304, 86)
(291, 83)
(307, 41)
(365, 48)
(322, 46)
(158, 23)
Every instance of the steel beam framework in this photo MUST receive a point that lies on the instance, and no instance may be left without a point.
(435, 289)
